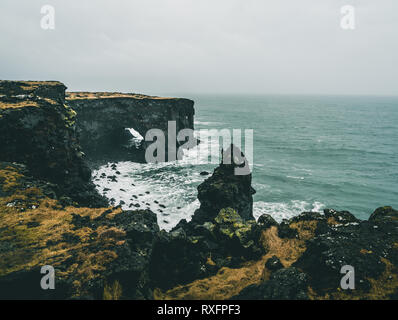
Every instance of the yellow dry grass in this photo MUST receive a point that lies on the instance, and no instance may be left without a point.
(32, 85)
(109, 95)
(18, 104)
(113, 292)
(229, 282)
(41, 234)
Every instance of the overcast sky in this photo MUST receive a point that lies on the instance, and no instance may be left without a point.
(204, 46)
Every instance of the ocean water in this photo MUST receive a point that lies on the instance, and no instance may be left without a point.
(310, 153)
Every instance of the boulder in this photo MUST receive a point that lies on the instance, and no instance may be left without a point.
(384, 214)
(284, 284)
(273, 264)
(341, 239)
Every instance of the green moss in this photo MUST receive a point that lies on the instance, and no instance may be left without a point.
(228, 216)
(227, 219)
(70, 116)
(230, 224)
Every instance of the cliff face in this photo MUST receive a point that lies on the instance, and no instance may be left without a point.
(54, 90)
(38, 129)
(102, 118)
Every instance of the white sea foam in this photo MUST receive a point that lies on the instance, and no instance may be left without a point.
(294, 177)
(172, 196)
(282, 210)
(171, 184)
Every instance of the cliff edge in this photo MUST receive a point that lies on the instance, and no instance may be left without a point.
(38, 129)
(103, 120)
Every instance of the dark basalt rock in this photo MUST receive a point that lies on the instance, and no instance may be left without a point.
(24, 89)
(273, 264)
(284, 284)
(284, 231)
(226, 189)
(340, 216)
(384, 214)
(177, 259)
(102, 119)
(131, 268)
(365, 245)
(37, 128)
(230, 236)
(266, 221)
(183, 254)
(313, 247)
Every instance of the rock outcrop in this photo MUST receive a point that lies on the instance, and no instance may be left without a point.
(226, 189)
(369, 246)
(284, 284)
(38, 129)
(102, 119)
(303, 258)
(222, 232)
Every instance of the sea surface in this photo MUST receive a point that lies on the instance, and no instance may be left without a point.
(309, 153)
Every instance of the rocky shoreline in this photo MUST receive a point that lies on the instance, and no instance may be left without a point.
(51, 214)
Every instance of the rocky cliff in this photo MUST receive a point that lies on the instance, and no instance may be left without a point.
(51, 215)
(38, 129)
(102, 119)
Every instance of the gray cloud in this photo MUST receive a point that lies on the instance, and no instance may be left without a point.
(228, 46)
